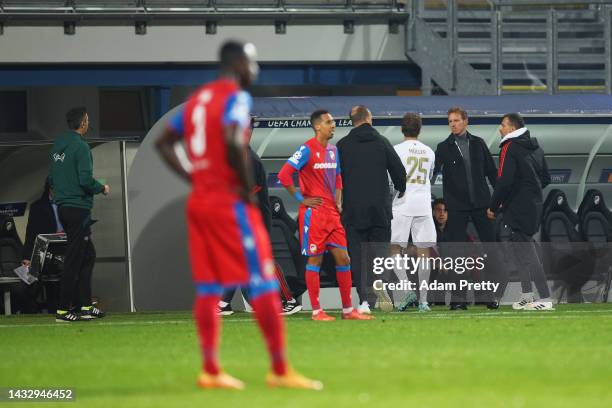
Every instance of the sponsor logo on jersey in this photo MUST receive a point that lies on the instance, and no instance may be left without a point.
(325, 165)
(313, 248)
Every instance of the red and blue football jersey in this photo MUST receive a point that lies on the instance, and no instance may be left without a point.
(319, 170)
(228, 243)
(319, 176)
(201, 121)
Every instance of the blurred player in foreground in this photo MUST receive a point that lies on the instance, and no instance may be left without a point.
(228, 243)
(318, 166)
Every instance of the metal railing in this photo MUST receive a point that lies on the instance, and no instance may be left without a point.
(169, 7)
(566, 47)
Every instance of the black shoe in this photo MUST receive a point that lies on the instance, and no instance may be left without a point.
(494, 305)
(63, 316)
(290, 308)
(225, 310)
(458, 306)
(91, 312)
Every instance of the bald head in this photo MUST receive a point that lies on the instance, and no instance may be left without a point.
(359, 115)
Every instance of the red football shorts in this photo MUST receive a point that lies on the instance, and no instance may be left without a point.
(320, 230)
(229, 246)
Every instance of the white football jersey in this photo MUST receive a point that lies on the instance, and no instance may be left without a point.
(419, 161)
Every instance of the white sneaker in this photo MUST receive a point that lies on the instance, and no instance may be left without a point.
(290, 308)
(364, 308)
(383, 301)
(224, 310)
(539, 305)
(520, 305)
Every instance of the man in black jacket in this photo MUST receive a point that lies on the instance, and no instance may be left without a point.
(466, 163)
(522, 175)
(365, 159)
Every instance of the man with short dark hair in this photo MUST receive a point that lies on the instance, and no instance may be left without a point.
(440, 217)
(366, 159)
(412, 215)
(71, 177)
(321, 230)
(466, 163)
(522, 175)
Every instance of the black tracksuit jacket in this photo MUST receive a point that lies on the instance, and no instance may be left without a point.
(365, 159)
(522, 175)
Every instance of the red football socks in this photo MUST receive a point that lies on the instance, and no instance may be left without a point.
(345, 282)
(209, 327)
(267, 312)
(313, 284)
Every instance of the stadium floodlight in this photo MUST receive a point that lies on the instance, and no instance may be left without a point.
(211, 27)
(140, 27)
(349, 27)
(69, 27)
(280, 27)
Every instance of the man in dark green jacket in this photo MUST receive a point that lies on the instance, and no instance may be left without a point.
(71, 174)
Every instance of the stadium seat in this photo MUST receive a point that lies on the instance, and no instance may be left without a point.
(595, 227)
(559, 221)
(11, 247)
(595, 218)
(17, 295)
(566, 261)
(286, 247)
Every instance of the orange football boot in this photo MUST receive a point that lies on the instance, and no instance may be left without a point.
(293, 379)
(322, 317)
(355, 315)
(221, 380)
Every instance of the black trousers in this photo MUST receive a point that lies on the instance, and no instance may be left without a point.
(228, 294)
(456, 230)
(530, 269)
(80, 257)
(361, 263)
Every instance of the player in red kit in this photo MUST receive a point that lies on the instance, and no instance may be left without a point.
(228, 243)
(321, 230)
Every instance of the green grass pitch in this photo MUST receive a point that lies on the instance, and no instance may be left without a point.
(478, 358)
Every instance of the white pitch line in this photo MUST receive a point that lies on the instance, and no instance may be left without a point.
(540, 315)
(398, 316)
(97, 324)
